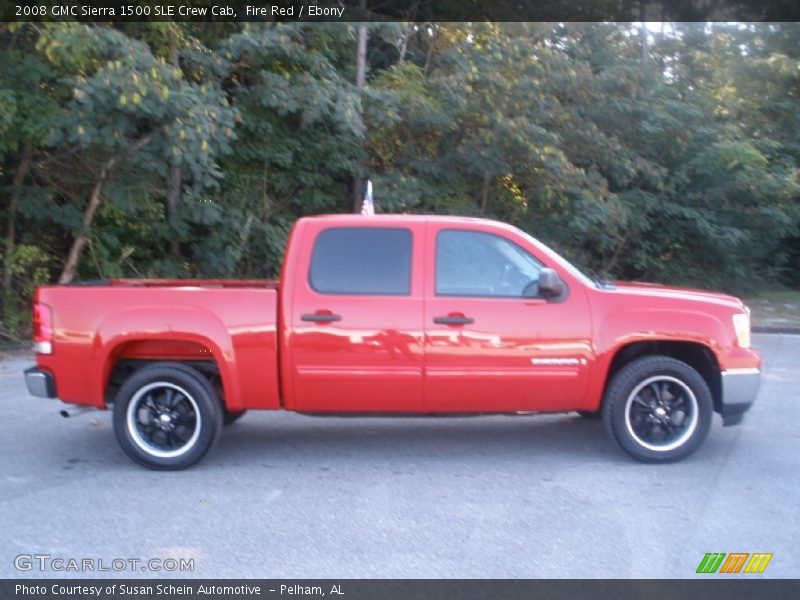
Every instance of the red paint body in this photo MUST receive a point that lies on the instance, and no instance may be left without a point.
(385, 354)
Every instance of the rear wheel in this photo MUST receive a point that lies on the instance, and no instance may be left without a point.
(658, 409)
(167, 417)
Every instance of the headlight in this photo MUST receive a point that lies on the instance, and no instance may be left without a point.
(741, 324)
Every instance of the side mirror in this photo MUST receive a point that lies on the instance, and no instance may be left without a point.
(550, 284)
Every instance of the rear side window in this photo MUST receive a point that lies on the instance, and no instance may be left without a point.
(362, 260)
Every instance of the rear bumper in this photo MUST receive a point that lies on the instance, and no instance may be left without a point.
(739, 390)
(40, 383)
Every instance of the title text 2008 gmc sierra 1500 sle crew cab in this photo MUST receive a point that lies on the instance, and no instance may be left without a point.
(396, 315)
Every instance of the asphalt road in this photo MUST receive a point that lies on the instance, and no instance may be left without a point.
(287, 496)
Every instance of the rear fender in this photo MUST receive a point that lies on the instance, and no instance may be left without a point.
(189, 324)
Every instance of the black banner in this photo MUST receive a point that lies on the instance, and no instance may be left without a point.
(400, 589)
(398, 10)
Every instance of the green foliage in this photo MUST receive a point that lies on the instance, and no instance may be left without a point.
(29, 265)
(123, 93)
(207, 141)
(29, 103)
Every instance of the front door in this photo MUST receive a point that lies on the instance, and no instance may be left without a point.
(355, 340)
(489, 346)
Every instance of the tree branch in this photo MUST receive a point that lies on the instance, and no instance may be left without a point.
(73, 257)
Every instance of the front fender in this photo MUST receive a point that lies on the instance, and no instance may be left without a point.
(643, 324)
(624, 327)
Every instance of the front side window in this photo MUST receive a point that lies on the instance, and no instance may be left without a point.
(473, 263)
(362, 260)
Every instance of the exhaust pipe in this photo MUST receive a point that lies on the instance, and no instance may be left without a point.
(74, 412)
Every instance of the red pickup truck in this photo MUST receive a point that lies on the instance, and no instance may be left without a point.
(396, 315)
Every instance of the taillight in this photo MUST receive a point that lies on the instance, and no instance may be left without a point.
(42, 329)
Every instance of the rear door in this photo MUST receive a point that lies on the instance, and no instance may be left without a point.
(489, 347)
(355, 338)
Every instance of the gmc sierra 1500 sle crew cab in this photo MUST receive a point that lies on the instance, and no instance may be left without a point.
(396, 315)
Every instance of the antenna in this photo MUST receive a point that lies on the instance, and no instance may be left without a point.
(368, 205)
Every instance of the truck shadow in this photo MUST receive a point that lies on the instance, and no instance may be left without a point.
(328, 439)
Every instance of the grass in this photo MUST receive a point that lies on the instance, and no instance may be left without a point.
(778, 308)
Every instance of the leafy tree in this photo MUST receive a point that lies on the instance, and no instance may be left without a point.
(189, 149)
(133, 109)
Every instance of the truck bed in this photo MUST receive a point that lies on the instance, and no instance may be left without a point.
(270, 284)
(230, 323)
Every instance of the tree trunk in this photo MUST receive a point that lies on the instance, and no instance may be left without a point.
(71, 264)
(361, 79)
(13, 206)
(175, 173)
(629, 235)
(485, 194)
(361, 55)
(358, 186)
(612, 262)
(74, 255)
(265, 180)
(643, 34)
(429, 56)
(412, 14)
(404, 43)
(173, 198)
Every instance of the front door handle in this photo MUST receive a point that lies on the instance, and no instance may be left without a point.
(321, 317)
(453, 320)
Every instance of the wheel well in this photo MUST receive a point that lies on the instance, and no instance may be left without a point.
(125, 367)
(696, 355)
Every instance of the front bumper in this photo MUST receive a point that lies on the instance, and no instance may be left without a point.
(40, 383)
(739, 390)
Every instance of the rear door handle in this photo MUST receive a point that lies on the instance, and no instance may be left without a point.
(452, 320)
(321, 317)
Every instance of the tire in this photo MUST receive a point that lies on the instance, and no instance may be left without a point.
(230, 417)
(590, 414)
(167, 416)
(658, 409)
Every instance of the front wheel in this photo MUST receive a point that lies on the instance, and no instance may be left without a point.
(658, 409)
(167, 417)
